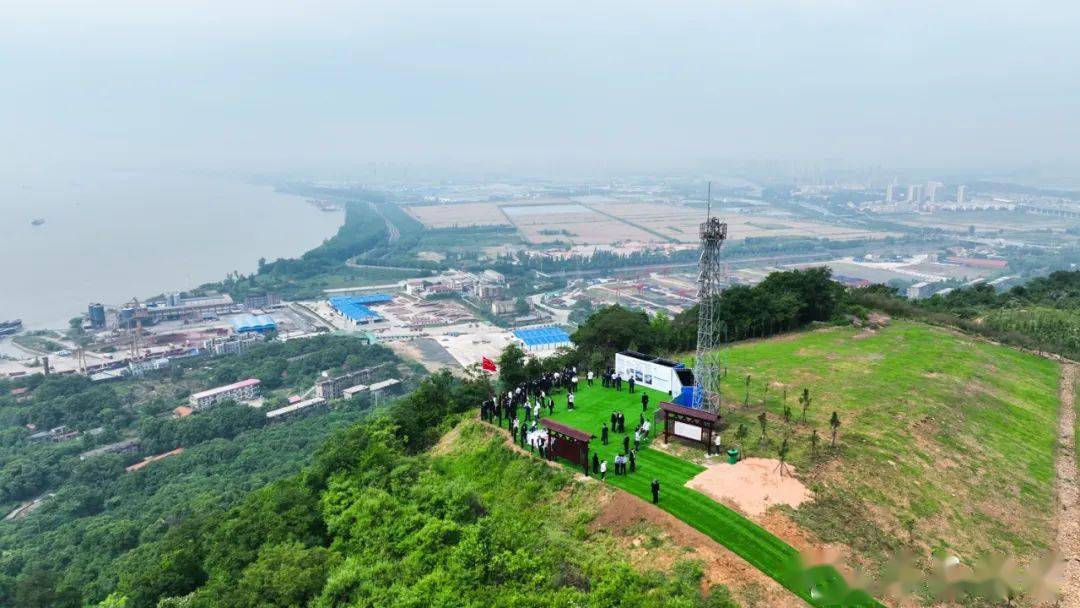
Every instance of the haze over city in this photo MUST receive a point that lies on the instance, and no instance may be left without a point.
(323, 87)
(737, 304)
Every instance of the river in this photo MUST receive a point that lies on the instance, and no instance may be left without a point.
(108, 238)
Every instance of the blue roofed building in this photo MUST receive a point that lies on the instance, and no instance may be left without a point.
(254, 323)
(354, 310)
(540, 339)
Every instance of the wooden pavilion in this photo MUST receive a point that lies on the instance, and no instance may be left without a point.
(689, 423)
(567, 442)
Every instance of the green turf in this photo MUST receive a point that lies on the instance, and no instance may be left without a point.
(753, 543)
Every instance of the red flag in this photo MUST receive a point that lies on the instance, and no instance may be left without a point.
(488, 365)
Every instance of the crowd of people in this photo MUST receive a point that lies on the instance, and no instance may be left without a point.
(522, 408)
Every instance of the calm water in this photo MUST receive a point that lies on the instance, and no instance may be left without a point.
(112, 237)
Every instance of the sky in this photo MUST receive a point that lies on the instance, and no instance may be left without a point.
(327, 85)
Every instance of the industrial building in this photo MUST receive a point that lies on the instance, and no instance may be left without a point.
(262, 300)
(175, 306)
(254, 324)
(232, 345)
(96, 313)
(238, 391)
(350, 308)
(379, 387)
(334, 388)
(920, 290)
(300, 407)
(540, 339)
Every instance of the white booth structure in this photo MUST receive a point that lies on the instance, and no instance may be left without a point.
(658, 374)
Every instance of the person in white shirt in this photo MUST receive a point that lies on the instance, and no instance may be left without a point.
(589, 377)
(603, 470)
(570, 401)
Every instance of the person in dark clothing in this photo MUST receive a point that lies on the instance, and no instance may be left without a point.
(644, 401)
(595, 464)
(551, 406)
(614, 419)
(621, 420)
(618, 382)
(626, 443)
(633, 461)
(656, 491)
(630, 383)
(603, 435)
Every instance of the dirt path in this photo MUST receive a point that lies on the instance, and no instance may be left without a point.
(1068, 503)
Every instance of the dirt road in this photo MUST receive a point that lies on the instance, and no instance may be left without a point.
(1068, 505)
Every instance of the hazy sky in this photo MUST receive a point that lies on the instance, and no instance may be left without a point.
(307, 85)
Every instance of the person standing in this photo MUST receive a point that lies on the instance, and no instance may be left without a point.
(618, 382)
(626, 443)
(604, 434)
(603, 470)
(644, 401)
(595, 464)
(637, 439)
(630, 383)
(614, 419)
(655, 491)
(633, 461)
(515, 430)
(536, 410)
(551, 406)
(570, 401)
(589, 377)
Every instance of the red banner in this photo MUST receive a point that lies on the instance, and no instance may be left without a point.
(488, 365)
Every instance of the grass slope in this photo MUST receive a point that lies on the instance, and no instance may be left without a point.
(760, 548)
(945, 440)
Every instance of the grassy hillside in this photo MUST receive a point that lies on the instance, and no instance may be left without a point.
(945, 441)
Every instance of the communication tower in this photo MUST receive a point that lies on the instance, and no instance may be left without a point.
(710, 335)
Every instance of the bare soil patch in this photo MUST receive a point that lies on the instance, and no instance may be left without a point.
(753, 485)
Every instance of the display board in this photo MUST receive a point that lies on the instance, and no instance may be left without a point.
(687, 431)
(646, 373)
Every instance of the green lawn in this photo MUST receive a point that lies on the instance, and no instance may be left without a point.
(753, 543)
(945, 441)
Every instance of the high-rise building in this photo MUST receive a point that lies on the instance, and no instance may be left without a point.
(961, 195)
(890, 193)
(932, 191)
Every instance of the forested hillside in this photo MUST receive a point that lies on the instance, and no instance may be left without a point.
(94, 520)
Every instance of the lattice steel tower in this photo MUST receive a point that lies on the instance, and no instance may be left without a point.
(710, 335)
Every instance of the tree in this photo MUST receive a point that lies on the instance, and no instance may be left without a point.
(834, 422)
(740, 435)
(814, 439)
(611, 329)
(512, 366)
(521, 306)
(746, 399)
(782, 453)
(804, 401)
(762, 420)
(787, 414)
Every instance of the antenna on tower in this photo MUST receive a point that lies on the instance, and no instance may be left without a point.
(708, 201)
